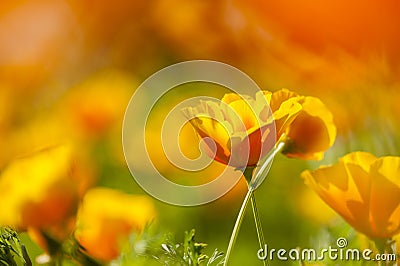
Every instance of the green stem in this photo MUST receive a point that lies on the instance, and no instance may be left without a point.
(301, 262)
(248, 174)
(82, 259)
(257, 220)
(236, 228)
(259, 176)
(253, 181)
(260, 172)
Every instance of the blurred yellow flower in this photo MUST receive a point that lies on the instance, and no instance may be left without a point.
(41, 190)
(97, 105)
(364, 190)
(107, 217)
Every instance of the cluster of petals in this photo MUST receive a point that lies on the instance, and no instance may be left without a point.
(239, 130)
(364, 190)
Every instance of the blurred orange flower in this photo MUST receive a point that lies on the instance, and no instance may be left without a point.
(97, 105)
(40, 190)
(364, 190)
(107, 217)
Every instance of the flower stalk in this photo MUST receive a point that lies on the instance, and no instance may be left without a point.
(236, 228)
(254, 177)
(257, 220)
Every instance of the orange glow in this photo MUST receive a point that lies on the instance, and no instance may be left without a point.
(356, 26)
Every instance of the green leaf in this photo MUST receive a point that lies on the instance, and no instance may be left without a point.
(12, 252)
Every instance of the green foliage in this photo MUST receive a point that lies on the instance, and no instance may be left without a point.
(12, 252)
(166, 251)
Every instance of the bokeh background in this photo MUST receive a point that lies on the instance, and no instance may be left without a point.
(68, 69)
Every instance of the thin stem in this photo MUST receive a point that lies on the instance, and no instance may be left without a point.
(301, 262)
(248, 174)
(253, 182)
(261, 172)
(236, 228)
(257, 220)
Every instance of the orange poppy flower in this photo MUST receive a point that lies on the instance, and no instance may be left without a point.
(364, 190)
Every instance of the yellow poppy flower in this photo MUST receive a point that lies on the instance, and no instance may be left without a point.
(364, 190)
(107, 217)
(307, 123)
(238, 131)
(241, 125)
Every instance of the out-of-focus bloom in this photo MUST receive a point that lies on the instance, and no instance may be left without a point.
(241, 129)
(41, 190)
(96, 105)
(40, 193)
(87, 113)
(304, 122)
(107, 217)
(309, 127)
(364, 190)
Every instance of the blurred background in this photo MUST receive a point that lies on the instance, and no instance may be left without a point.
(68, 69)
